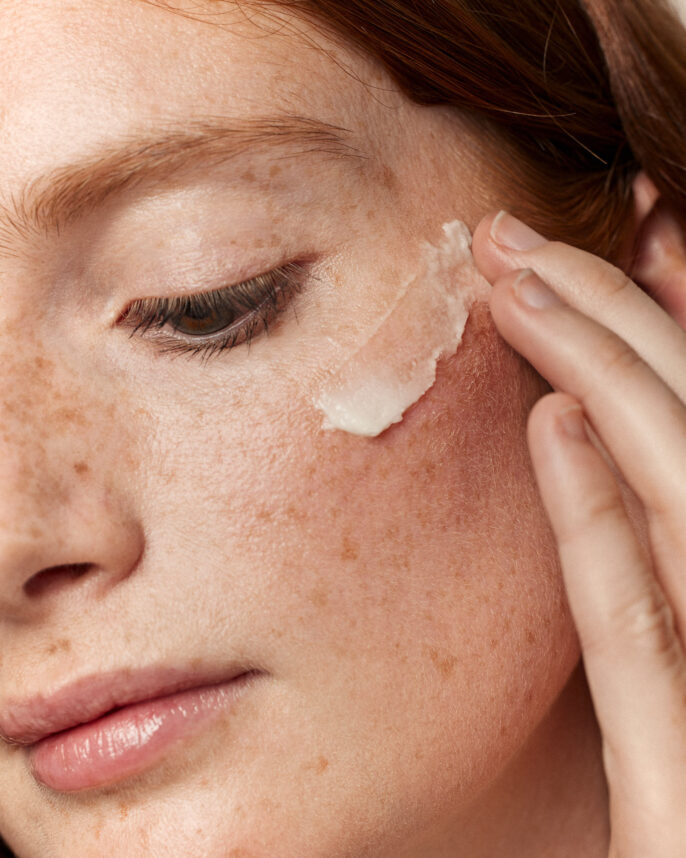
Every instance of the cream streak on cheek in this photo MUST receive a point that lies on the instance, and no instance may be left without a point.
(396, 365)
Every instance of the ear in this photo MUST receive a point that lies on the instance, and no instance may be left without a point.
(659, 254)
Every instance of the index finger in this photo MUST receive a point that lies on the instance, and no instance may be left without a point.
(592, 286)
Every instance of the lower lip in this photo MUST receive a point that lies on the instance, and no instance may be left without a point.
(130, 740)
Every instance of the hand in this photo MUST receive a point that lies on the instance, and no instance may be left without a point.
(618, 359)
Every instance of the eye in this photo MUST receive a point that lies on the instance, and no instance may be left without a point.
(211, 322)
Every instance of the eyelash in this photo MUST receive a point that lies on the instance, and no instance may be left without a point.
(254, 303)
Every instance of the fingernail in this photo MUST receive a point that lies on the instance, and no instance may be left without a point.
(531, 291)
(513, 234)
(572, 423)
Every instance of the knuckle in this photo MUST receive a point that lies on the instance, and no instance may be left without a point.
(615, 357)
(616, 283)
(648, 622)
(604, 505)
(614, 363)
(599, 510)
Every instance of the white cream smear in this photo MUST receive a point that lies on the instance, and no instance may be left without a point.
(396, 365)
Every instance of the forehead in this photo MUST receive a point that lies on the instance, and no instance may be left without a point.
(79, 74)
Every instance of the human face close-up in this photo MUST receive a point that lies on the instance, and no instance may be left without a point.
(171, 506)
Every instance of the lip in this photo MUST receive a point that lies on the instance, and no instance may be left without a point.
(102, 729)
(30, 720)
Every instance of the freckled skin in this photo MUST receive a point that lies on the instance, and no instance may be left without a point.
(401, 592)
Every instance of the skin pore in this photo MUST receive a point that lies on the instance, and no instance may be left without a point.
(421, 693)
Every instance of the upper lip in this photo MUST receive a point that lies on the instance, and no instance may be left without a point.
(27, 721)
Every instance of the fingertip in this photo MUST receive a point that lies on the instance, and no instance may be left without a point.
(545, 416)
(488, 259)
(482, 233)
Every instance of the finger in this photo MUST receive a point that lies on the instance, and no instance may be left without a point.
(592, 286)
(633, 656)
(627, 404)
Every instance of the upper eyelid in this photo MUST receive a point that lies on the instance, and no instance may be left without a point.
(206, 295)
(205, 346)
(296, 267)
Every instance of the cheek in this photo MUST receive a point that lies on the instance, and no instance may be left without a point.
(442, 506)
(436, 523)
(405, 587)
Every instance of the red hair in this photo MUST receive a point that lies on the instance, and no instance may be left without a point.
(582, 93)
(585, 92)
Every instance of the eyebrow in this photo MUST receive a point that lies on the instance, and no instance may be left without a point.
(50, 202)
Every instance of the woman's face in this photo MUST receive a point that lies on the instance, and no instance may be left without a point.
(400, 593)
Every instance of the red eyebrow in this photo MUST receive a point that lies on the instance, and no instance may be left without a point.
(67, 193)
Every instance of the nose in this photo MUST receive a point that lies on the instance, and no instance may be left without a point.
(66, 520)
(81, 540)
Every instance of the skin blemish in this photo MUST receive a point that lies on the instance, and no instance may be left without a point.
(443, 662)
(396, 365)
(388, 178)
(319, 596)
(317, 766)
(350, 550)
(62, 645)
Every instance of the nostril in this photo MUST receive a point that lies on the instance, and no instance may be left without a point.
(55, 577)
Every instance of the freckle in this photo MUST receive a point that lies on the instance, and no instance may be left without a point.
(81, 468)
(248, 176)
(388, 177)
(322, 764)
(43, 364)
(293, 513)
(319, 597)
(123, 811)
(350, 550)
(70, 415)
(445, 664)
(274, 170)
(392, 533)
(530, 636)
